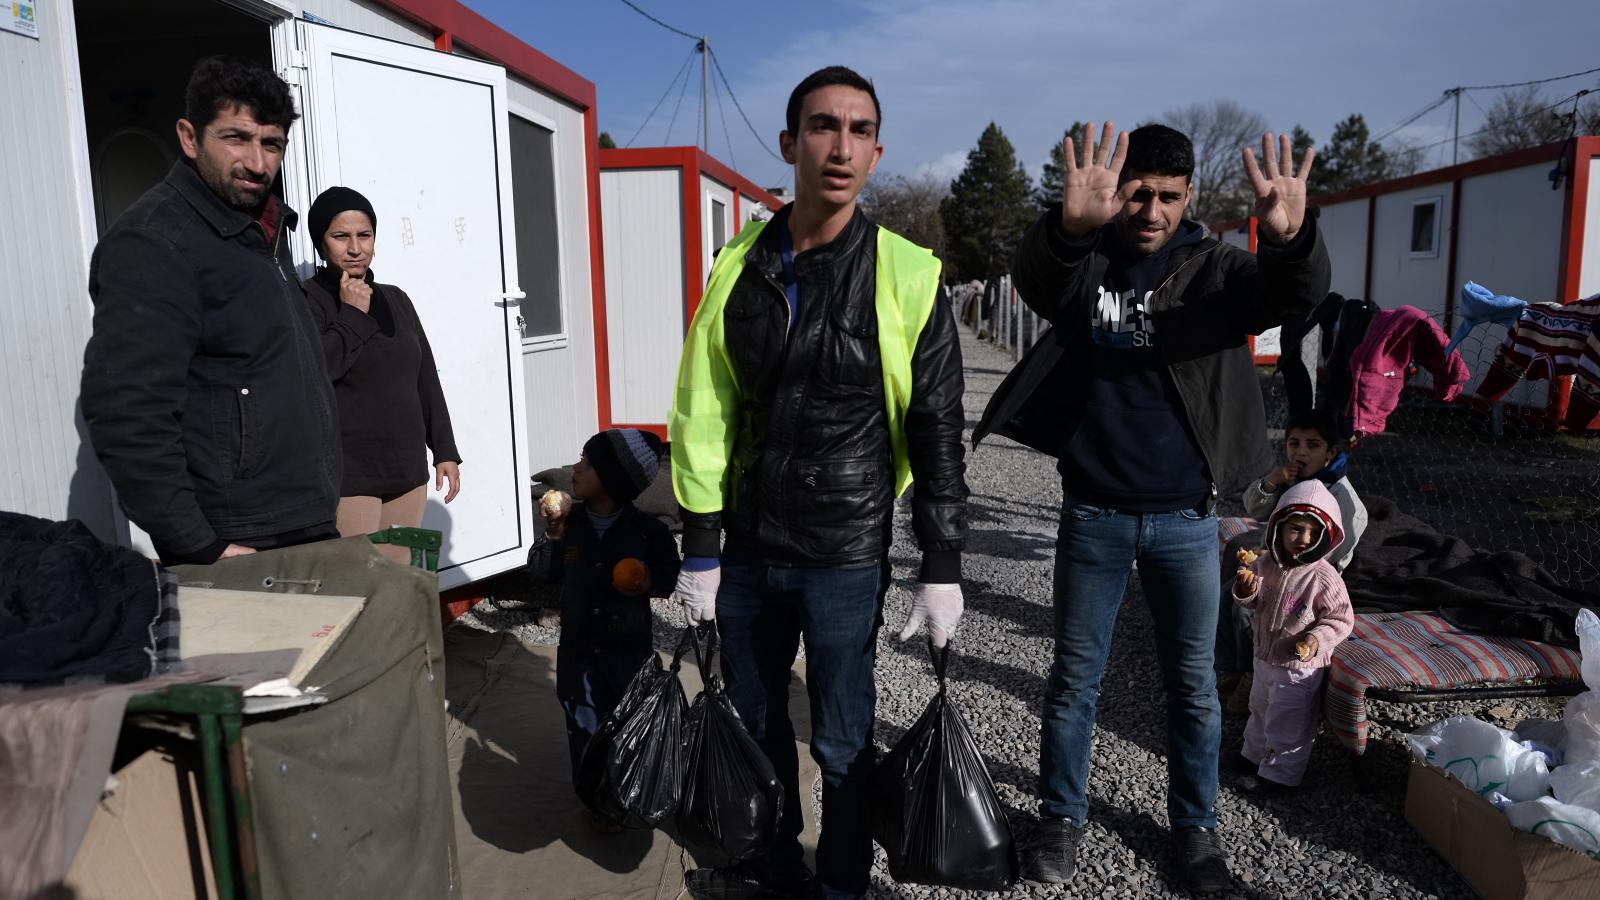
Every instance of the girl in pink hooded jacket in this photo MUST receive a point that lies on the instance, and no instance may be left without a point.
(1302, 612)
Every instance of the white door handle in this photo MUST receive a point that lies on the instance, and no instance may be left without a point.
(514, 296)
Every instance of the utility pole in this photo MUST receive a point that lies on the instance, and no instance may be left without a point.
(705, 100)
(1455, 141)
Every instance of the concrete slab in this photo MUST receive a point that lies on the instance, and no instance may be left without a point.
(520, 829)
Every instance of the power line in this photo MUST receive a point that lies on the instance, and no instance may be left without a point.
(1496, 87)
(720, 74)
(630, 5)
(675, 107)
(1528, 115)
(670, 85)
(723, 114)
(1413, 117)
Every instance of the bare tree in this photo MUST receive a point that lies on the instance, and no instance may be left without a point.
(1218, 129)
(909, 207)
(1520, 118)
(1405, 155)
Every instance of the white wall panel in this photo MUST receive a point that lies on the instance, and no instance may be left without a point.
(563, 399)
(368, 19)
(1589, 274)
(553, 413)
(1344, 231)
(44, 303)
(645, 303)
(1509, 242)
(1400, 278)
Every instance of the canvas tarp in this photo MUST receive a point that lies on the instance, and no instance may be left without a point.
(352, 798)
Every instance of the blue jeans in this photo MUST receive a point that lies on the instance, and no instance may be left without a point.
(1177, 557)
(763, 612)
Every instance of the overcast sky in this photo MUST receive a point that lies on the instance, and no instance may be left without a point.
(945, 68)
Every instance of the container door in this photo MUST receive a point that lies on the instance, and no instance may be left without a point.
(423, 135)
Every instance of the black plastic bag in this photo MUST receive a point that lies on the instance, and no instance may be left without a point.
(934, 808)
(631, 773)
(732, 799)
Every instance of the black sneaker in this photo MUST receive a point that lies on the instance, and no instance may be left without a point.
(1237, 763)
(1200, 859)
(739, 883)
(1050, 852)
(1256, 786)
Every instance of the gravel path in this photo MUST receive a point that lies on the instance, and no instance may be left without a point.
(1329, 840)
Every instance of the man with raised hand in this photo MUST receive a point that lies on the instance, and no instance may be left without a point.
(1145, 391)
(820, 377)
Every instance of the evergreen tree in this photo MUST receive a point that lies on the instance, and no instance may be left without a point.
(606, 141)
(1054, 171)
(990, 205)
(1349, 160)
(1301, 141)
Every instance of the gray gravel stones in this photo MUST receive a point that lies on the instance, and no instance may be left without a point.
(1331, 839)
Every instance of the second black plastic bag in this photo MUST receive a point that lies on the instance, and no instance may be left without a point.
(631, 773)
(934, 808)
(732, 799)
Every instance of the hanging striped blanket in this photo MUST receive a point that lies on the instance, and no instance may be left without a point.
(1419, 649)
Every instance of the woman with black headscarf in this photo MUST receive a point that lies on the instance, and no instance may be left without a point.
(390, 403)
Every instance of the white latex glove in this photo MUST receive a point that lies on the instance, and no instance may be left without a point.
(940, 605)
(697, 591)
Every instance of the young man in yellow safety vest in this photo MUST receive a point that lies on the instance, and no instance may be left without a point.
(820, 378)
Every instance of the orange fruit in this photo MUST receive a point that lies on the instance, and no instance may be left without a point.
(630, 575)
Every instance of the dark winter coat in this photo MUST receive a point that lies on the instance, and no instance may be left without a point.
(391, 407)
(1213, 296)
(204, 388)
(812, 480)
(593, 611)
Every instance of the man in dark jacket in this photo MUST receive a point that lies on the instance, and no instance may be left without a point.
(1144, 389)
(204, 388)
(821, 375)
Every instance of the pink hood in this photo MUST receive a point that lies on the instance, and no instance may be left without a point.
(1307, 496)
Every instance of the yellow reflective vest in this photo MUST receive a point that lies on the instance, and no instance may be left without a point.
(705, 407)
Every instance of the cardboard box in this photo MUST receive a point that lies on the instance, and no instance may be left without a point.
(147, 839)
(1498, 861)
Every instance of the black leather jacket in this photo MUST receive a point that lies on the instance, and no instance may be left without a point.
(811, 482)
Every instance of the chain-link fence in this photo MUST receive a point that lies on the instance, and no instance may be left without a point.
(1499, 478)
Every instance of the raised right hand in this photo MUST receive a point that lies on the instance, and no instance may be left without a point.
(1286, 474)
(1090, 195)
(355, 292)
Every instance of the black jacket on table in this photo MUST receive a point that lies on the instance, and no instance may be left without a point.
(811, 482)
(204, 389)
(593, 611)
(1213, 296)
(391, 406)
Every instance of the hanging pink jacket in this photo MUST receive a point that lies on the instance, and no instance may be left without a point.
(1378, 365)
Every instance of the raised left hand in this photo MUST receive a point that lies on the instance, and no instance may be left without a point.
(451, 471)
(1281, 192)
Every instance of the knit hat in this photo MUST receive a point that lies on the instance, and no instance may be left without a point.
(1479, 305)
(626, 461)
(329, 204)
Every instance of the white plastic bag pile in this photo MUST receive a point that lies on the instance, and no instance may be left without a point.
(1545, 776)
